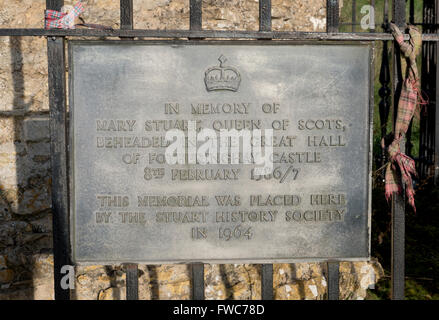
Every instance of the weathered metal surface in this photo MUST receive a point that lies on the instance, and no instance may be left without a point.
(333, 15)
(315, 206)
(264, 15)
(280, 35)
(267, 282)
(195, 19)
(197, 281)
(398, 200)
(132, 281)
(385, 94)
(58, 152)
(333, 280)
(267, 269)
(126, 14)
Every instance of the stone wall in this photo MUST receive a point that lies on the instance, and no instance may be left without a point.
(26, 263)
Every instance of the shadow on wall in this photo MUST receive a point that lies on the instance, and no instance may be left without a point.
(25, 223)
(227, 284)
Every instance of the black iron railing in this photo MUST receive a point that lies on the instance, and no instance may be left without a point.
(390, 80)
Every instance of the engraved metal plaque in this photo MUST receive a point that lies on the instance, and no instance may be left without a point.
(128, 204)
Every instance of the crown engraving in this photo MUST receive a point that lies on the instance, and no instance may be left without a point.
(222, 77)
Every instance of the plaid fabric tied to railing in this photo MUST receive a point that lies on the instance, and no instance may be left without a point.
(60, 20)
(400, 166)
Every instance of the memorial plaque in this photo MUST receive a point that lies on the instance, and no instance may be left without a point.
(130, 204)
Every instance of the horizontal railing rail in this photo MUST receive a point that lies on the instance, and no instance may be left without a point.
(238, 34)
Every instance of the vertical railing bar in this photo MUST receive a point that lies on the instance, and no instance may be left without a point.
(197, 276)
(267, 282)
(372, 3)
(428, 85)
(126, 14)
(333, 280)
(398, 205)
(332, 25)
(429, 125)
(195, 20)
(132, 281)
(398, 234)
(354, 14)
(431, 151)
(264, 15)
(267, 269)
(332, 16)
(197, 281)
(431, 141)
(412, 12)
(384, 104)
(385, 92)
(58, 155)
(436, 125)
(386, 14)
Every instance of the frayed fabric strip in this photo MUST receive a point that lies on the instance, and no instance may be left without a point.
(60, 20)
(401, 168)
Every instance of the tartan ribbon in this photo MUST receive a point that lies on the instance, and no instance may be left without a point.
(406, 167)
(400, 166)
(60, 20)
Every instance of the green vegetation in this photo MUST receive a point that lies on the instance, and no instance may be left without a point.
(422, 250)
